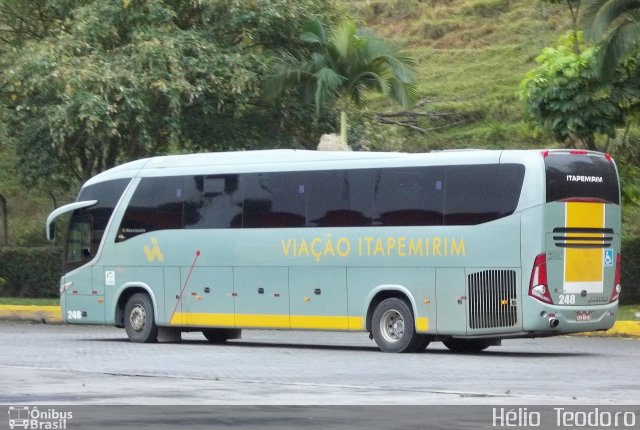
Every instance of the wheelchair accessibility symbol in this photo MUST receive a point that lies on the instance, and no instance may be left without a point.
(608, 257)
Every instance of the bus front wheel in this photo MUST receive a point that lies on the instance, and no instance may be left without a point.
(139, 321)
(393, 327)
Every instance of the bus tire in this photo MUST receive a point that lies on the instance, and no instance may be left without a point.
(221, 335)
(393, 327)
(139, 320)
(466, 346)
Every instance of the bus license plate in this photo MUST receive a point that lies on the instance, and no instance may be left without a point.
(583, 316)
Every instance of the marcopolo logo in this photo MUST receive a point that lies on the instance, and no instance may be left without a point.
(27, 417)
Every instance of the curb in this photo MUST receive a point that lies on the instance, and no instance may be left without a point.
(620, 328)
(52, 315)
(44, 314)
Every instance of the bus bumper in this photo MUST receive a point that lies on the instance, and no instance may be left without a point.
(541, 317)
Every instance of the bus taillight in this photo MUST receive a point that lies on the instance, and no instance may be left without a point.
(616, 282)
(538, 286)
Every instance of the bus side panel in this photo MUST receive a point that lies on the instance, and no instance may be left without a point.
(418, 284)
(200, 297)
(84, 304)
(262, 297)
(318, 298)
(451, 301)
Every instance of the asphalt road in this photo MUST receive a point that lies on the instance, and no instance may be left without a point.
(80, 365)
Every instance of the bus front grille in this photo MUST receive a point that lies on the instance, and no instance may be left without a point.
(492, 299)
(571, 237)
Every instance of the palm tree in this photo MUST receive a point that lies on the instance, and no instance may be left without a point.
(343, 66)
(615, 25)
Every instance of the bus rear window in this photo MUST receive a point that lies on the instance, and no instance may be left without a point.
(583, 176)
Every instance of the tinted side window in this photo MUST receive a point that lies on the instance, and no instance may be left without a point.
(477, 194)
(409, 196)
(274, 200)
(340, 198)
(155, 205)
(212, 201)
(581, 176)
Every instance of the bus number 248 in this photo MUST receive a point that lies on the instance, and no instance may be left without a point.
(74, 315)
(567, 299)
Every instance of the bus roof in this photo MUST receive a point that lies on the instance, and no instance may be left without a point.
(274, 160)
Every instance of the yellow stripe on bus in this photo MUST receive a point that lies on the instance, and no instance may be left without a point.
(319, 322)
(262, 321)
(583, 264)
(311, 322)
(202, 320)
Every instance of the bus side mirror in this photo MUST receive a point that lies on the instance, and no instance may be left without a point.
(51, 219)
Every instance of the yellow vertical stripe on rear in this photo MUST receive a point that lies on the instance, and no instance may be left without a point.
(580, 264)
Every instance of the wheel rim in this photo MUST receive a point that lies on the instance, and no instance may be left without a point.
(137, 317)
(392, 325)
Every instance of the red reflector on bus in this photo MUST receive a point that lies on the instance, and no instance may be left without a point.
(538, 286)
(617, 287)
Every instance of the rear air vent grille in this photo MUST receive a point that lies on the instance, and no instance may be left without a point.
(568, 237)
(492, 299)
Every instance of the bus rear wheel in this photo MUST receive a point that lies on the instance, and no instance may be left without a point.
(221, 335)
(466, 346)
(393, 327)
(139, 320)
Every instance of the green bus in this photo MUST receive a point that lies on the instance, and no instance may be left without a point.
(463, 247)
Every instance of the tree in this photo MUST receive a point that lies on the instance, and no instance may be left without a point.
(343, 66)
(615, 26)
(564, 95)
(107, 81)
(574, 10)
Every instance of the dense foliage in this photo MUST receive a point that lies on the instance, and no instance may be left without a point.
(630, 271)
(565, 96)
(614, 25)
(43, 274)
(96, 83)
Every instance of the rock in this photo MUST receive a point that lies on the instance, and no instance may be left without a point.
(331, 142)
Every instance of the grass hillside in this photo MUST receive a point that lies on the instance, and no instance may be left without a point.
(471, 54)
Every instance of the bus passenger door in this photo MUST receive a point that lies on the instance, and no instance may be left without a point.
(451, 299)
(261, 297)
(83, 300)
(206, 298)
(318, 298)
